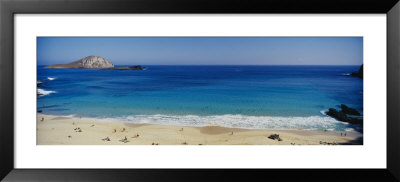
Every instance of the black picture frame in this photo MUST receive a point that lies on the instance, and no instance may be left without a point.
(8, 8)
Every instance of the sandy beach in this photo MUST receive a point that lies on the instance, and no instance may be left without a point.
(56, 130)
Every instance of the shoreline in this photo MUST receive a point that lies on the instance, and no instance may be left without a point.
(316, 122)
(64, 130)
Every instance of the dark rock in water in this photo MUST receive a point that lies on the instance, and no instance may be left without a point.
(39, 111)
(358, 74)
(275, 137)
(337, 114)
(355, 120)
(38, 85)
(348, 110)
(137, 67)
(341, 116)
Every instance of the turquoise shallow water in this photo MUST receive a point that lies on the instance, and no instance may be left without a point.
(268, 97)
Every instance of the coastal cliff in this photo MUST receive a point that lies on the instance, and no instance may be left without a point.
(87, 62)
(358, 74)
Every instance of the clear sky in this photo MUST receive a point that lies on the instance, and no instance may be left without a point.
(204, 50)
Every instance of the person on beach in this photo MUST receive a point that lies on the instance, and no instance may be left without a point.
(106, 139)
(125, 140)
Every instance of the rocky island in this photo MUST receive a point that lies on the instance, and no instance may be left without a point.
(96, 62)
(87, 62)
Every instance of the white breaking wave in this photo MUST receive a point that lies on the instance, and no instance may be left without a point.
(45, 92)
(323, 112)
(346, 74)
(51, 78)
(38, 82)
(236, 121)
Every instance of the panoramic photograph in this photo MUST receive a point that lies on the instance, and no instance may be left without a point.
(199, 91)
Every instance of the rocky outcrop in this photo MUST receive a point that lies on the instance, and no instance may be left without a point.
(337, 114)
(358, 74)
(275, 137)
(87, 62)
(342, 116)
(348, 110)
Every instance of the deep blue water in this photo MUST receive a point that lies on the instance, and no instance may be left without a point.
(239, 96)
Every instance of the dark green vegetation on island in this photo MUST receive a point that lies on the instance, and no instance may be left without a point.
(137, 67)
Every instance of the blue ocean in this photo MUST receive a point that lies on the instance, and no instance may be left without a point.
(254, 97)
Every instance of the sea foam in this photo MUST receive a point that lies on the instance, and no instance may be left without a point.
(51, 78)
(236, 121)
(45, 92)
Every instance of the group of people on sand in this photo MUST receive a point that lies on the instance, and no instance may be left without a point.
(78, 129)
(106, 139)
(124, 140)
